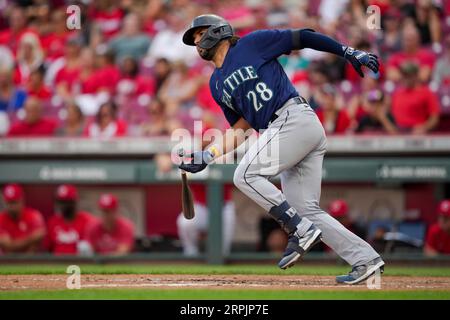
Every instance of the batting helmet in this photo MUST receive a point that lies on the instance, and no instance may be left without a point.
(218, 29)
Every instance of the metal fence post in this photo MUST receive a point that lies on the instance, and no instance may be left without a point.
(215, 204)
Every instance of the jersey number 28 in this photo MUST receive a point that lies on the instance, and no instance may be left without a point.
(264, 93)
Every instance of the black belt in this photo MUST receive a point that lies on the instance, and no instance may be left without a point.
(297, 100)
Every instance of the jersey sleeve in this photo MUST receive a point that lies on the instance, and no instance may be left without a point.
(271, 44)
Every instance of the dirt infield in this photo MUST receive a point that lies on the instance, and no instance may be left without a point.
(262, 282)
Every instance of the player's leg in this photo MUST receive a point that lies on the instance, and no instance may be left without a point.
(280, 147)
(228, 225)
(301, 185)
(189, 230)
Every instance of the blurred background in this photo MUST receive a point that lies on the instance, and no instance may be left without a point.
(86, 117)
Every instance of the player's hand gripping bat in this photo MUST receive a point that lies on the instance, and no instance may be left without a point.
(186, 193)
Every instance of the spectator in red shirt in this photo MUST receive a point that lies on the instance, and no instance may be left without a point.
(34, 124)
(68, 229)
(131, 83)
(333, 119)
(36, 87)
(21, 228)
(114, 234)
(106, 124)
(107, 74)
(17, 28)
(411, 51)
(414, 106)
(54, 41)
(67, 77)
(438, 237)
(106, 16)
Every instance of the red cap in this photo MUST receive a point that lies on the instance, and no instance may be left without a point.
(108, 201)
(338, 208)
(12, 192)
(444, 208)
(67, 192)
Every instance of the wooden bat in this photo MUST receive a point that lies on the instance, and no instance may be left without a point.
(187, 200)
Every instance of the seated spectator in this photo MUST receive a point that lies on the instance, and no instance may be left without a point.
(106, 124)
(114, 234)
(180, 89)
(21, 228)
(414, 106)
(54, 40)
(390, 41)
(189, 231)
(106, 15)
(17, 22)
(30, 57)
(66, 78)
(34, 124)
(131, 42)
(108, 74)
(374, 115)
(131, 83)
(35, 85)
(74, 123)
(67, 230)
(338, 209)
(159, 124)
(411, 51)
(333, 119)
(438, 238)
(441, 73)
(161, 72)
(168, 43)
(12, 98)
(425, 15)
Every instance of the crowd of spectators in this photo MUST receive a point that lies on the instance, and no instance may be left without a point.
(68, 231)
(127, 72)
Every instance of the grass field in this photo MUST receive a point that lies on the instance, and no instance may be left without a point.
(142, 272)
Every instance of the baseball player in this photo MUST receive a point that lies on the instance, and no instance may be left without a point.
(253, 91)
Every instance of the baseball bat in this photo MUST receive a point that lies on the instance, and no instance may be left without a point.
(187, 200)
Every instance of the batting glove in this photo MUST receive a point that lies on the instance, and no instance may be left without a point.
(360, 58)
(199, 161)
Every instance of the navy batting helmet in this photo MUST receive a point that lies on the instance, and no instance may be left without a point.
(218, 29)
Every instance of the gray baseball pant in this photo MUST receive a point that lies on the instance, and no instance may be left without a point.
(294, 146)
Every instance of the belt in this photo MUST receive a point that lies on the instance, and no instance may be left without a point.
(296, 100)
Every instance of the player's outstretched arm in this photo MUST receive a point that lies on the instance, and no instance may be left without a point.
(230, 141)
(308, 38)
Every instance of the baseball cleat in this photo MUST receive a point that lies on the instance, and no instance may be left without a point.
(361, 273)
(298, 246)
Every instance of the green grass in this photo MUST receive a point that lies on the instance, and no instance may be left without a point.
(202, 294)
(324, 270)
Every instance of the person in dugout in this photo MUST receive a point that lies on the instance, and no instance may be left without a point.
(21, 228)
(113, 234)
(437, 241)
(68, 228)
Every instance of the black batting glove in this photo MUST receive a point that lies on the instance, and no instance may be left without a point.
(360, 58)
(199, 161)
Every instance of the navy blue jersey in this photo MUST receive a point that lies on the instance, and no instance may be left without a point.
(251, 82)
